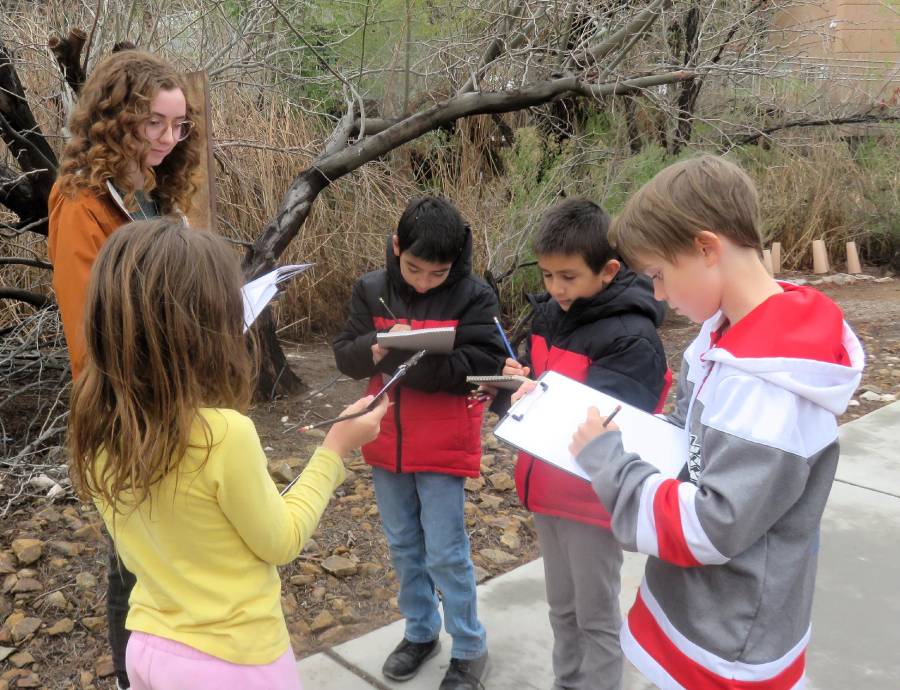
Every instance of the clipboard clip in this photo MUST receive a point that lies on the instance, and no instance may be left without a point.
(528, 401)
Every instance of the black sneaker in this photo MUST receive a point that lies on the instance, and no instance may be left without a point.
(466, 674)
(406, 660)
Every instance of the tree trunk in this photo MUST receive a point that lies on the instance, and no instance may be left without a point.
(28, 195)
(690, 90)
(275, 376)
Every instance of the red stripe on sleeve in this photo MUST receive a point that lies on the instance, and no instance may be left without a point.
(673, 547)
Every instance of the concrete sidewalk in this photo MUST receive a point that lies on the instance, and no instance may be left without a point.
(856, 620)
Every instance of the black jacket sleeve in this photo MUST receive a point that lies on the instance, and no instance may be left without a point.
(632, 370)
(477, 351)
(353, 346)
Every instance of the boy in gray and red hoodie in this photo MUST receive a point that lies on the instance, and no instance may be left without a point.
(733, 540)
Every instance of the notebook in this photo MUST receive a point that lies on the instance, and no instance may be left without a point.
(543, 422)
(258, 292)
(438, 341)
(507, 383)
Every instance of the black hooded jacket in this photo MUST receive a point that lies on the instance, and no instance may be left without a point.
(430, 402)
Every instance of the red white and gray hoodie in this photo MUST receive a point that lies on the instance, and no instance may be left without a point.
(733, 541)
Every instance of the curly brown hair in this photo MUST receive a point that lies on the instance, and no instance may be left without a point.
(164, 324)
(114, 102)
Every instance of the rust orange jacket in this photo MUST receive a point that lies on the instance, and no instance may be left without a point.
(79, 226)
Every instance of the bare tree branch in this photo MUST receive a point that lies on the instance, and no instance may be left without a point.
(860, 118)
(22, 261)
(67, 52)
(33, 298)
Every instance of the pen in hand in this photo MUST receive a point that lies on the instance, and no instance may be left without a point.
(613, 414)
(505, 339)
(384, 304)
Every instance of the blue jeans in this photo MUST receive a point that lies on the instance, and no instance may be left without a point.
(425, 525)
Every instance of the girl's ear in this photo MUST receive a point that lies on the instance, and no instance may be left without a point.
(709, 245)
(395, 242)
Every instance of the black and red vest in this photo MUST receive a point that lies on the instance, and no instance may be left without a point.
(430, 427)
(609, 342)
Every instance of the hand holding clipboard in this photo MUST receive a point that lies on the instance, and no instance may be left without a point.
(393, 381)
(377, 404)
(547, 420)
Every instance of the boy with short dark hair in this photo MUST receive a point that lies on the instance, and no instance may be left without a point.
(727, 594)
(431, 439)
(596, 324)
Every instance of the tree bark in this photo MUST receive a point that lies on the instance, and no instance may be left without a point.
(27, 196)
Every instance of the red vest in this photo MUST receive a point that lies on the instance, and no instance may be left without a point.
(425, 432)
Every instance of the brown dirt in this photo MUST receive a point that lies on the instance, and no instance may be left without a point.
(74, 552)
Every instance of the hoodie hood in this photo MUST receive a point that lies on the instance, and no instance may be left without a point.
(628, 293)
(797, 340)
(460, 268)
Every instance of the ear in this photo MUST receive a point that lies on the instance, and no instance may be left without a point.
(709, 246)
(395, 243)
(609, 271)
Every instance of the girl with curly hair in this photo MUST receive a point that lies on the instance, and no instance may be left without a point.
(132, 155)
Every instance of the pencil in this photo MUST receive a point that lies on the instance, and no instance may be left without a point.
(509, 349)
(610, 418)
(384, 304)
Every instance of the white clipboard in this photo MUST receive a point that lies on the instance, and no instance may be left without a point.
(543, 422)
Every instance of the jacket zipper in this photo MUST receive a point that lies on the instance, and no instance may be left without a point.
(397, 425)
(528, 484)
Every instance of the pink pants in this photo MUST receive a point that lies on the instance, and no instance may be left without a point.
(155, 663)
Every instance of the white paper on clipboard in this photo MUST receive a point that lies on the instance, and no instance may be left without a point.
(543, 422)
(438, 341)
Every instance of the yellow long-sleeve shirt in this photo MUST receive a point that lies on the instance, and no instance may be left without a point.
(205, 546)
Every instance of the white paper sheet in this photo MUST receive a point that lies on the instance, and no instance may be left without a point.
(438, 341)
(544, 421)
(258, 292)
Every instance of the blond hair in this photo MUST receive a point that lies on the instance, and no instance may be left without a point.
(704, 193)
(112, 106)
(164, 336)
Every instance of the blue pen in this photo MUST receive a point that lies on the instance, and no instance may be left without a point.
(509, 349)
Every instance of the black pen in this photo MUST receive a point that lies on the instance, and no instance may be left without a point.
(610, 418)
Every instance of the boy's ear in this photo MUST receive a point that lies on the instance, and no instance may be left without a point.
(609, 271)
(395, 242)
(709, 245)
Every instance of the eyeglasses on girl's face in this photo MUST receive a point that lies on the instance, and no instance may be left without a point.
(157, 127)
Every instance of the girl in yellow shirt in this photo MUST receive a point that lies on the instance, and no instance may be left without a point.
(160, 444)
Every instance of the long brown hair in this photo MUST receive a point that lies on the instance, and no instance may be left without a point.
(163, 328)
(113, 104)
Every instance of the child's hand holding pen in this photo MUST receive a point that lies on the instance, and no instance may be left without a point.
(378, 352)
(348, 435)
(594, 426)
(512, 368)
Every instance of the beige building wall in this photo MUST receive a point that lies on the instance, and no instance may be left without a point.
(849, 50)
